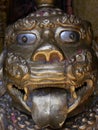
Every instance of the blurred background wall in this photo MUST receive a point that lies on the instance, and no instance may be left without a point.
(87, 10)
(4, 4)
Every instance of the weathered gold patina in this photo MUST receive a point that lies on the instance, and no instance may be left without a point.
(50, 72)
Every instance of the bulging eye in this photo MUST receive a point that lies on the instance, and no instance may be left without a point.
(69, 36)
(25, 39)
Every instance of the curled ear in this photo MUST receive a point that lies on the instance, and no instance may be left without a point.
(89, 32)
(93, 41)
(2, 87)
(95, 45)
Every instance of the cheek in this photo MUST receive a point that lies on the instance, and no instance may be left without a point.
(15, 66)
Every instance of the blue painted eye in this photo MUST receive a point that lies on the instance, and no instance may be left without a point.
(25, 39)
(69, 36)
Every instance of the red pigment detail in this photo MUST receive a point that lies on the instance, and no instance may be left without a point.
(13, 118)
(79, 51)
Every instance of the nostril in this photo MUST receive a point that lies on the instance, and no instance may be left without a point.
(50, 56)
(55, 57)
(40, 58)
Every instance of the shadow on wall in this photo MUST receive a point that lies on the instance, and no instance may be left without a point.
(87, 10)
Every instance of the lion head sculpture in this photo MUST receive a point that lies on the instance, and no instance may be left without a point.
(49, 67)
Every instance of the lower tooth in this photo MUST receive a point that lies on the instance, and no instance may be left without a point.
(25, 97)
(74, 95)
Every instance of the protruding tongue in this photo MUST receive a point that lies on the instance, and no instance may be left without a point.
(49, 107)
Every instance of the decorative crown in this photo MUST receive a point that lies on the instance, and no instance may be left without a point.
(41, 3)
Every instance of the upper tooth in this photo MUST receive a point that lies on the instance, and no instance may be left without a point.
(26, 90)
(72, 89)
(26, 93)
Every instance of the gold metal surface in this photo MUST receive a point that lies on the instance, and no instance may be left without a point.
(41, 3)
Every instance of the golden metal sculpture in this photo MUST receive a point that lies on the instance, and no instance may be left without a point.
(50, 72)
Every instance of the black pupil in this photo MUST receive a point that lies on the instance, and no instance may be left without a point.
(24, 39)
(72, 36)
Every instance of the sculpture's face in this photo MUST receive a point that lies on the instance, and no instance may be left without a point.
(50, 67)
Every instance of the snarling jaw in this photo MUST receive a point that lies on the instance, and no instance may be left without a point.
(50, 67)
(50, 91)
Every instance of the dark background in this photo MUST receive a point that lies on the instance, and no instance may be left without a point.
(21, 8)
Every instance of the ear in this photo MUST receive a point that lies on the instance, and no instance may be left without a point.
(95, 45)
(2, 87)
(89, 32)
(90, 37)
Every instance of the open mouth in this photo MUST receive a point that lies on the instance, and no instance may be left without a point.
(75, 93)
(50, 105)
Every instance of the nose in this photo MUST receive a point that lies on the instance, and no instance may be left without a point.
(50, 56)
